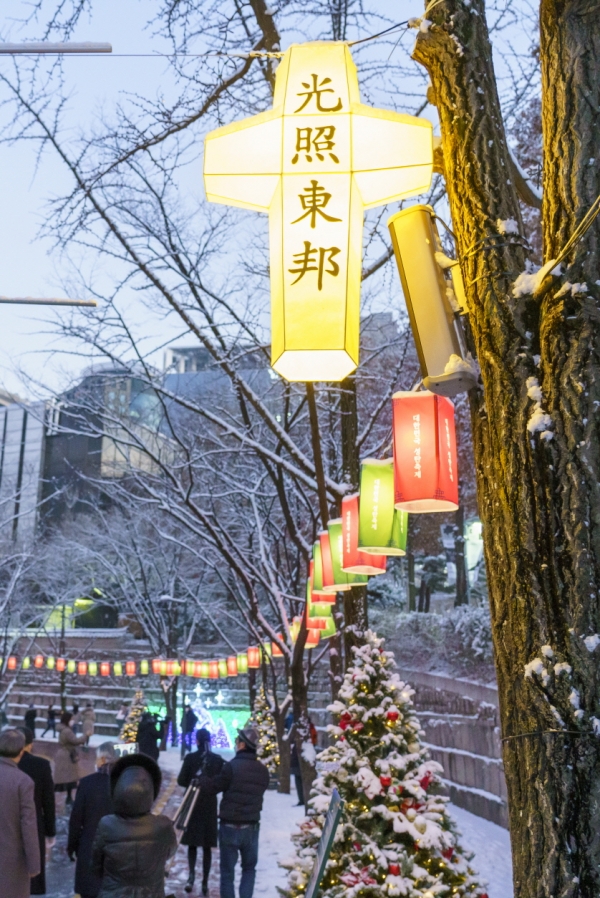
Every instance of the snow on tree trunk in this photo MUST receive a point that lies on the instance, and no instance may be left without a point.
(535, 430)
(395, 837)
(262, 719)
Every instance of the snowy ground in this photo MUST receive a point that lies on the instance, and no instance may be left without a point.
(488, 842)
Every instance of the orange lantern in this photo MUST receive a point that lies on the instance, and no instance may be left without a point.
(39, 661)
(12, 662)
(104, 668)
(277, 653)
(232, 670)
(312, 638)
(61, 664)
(213, 670)
(356, 562)
(315, 575)
(156, 665)
(425, 470)
(253, 657)
(82, 668)
(329, 584)
(170, 668)
(130, 668)
(197, 668)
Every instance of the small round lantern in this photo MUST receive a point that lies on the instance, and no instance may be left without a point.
(71, 666)
(213, 670)
(61, 664)
(50, 662)
(242, 662)
(93, 668)
(82, 668)
(156, 665)
(105, 669)
(253, 657)
(144, 668)
(232, 667)
(118, 669)
(130, 668)
(222, 666)
(39, 661)
(205, 670)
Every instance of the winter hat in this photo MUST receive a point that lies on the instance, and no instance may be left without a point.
(203, 736)
(249, 735)
(139, 760)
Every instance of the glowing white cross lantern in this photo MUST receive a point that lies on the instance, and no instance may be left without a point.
(314, 163)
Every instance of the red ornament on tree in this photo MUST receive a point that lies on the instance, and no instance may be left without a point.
(426, 781)
(447, 853)
(385, 781)
(393, 715)
(394, 869)
(357, 846)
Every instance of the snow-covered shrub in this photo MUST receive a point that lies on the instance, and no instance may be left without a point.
(395, 836)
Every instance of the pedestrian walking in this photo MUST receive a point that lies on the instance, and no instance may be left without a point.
(92, 802)
(30, 715)
(66, 765)
(75, 718)
(50, 720)
(202, 828)
(243, 782)
(132, 846)
(296, 772)
(188, 725)
(147, 735)
(43, 795)
(19, 846)
(88, 720)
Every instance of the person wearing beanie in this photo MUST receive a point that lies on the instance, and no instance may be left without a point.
(19, 843)
(132, 846)
(243, 782)
(202, 828)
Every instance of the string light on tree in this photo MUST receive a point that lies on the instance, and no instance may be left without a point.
(262, 718)
(130, 727)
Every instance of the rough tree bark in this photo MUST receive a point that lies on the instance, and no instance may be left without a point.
(538, 491)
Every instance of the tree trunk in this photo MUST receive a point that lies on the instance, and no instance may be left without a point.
(283, 742)
(299, 688)
(538, 494)
(412, 589)
(462, 577)
(171, 705)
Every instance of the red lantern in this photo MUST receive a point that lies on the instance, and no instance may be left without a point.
(232, 670)
(320, 595)
(156, 665)
(61, 664)
(12, 662)
(104, 668)
(356, 562)
(170, 668)
(253, 656)
(130, 668)
(82, 668)
(39, 661)
(425, 472)
(312, 638)
(277, 653)
(213, 670)
(394, 869)
(329, 584)
(197, 668)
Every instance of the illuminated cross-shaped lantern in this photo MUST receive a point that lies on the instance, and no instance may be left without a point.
(315, 162)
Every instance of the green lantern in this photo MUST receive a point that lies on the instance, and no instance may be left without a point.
(71, 667)
(317, 567)
(336, 544)
(382, 529)
(205, 670)
(26, 662)
(242, 662)
(316, 609)
(223, 667)
(93, 668)
(267, 649)
(118, 669)
(50, 662)
(330, 629)
(144, 668)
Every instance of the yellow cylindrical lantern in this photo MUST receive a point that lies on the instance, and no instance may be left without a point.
(232, 666)
(382, 528)
(118, 669)
(144, 668)
(205, 670)
(50, 662)
(223, 672)
(242, 662)
(314, 163)
(71, 666)
(429, 297)
(26, 662)
(93, 668)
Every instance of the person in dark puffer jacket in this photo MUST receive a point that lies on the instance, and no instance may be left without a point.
(132, 846)
(243, 782)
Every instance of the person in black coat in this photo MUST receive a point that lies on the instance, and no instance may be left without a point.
(243, 782)
(92, 802)
(188, 725)
(30, 715)
(202, 828)
(147, 735)
(132, 846)
(41, 773)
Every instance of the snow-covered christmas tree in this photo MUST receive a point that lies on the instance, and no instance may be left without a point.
(262, 718)
(130, 727)
(395, 836)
